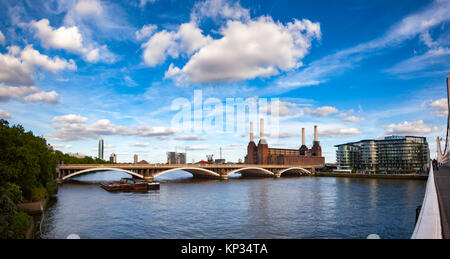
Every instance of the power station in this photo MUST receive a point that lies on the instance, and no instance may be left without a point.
(261, 154)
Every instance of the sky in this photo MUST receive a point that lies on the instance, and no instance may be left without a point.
(152, 76)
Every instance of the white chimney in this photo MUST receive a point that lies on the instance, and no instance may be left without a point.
(303, 136)
(252, 137)
(315, 133)
(261, 129)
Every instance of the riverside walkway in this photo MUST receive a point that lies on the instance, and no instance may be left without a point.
(442, 180)
(434, 218)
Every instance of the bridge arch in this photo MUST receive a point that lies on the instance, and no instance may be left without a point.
(252, 171)
(297, 170)
(195, 171)
(97, 169)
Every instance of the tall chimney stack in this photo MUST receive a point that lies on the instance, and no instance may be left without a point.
(261, 129)
(252, 137)
(315, 134)
(303, 136)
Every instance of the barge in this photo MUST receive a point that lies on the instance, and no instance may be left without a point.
(130, 184)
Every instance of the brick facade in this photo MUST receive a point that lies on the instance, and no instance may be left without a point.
(262, 154)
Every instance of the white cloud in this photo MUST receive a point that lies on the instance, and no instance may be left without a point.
(441, 107)
(284, 108)
(219, 9)
(146, 31)
(69, 118)
(129, 81)
(4, 115)
(80, 131)
(353, 119)
(191, 138)
(163, 138)
(88, 7)
(93, 55)
(245, 51)
(46, 97)
(288, 134)
(15, 92)
(32, 56)
(62, 38)
(2, 38)
(234, 146)
(345, 114)
(436, 57)
(322, 111)
(139, 144)
(410, 128)
(18, 66)
(339, 132)
(186, 40)
(198, 147)
(59, 146)
(27, 94)
(70, 39)
(427, 40)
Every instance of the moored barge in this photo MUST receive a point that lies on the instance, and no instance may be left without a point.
(130, 184)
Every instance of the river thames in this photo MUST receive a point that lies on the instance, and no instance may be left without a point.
(297, 207)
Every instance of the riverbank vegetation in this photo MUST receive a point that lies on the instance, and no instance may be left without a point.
(68, 159)
(27, 174)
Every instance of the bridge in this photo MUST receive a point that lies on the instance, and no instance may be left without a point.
(434, 217)
(214, 171)
(444, 157)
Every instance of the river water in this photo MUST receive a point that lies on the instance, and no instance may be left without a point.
(297, 207)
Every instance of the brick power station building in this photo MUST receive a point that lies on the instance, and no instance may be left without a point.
(262, 154)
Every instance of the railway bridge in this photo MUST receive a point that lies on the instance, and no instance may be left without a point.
(216, 171)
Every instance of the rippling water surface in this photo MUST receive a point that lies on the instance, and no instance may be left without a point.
(300, 207)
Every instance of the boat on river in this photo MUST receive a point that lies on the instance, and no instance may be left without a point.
(130, 184)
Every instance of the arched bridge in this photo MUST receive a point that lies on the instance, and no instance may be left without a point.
(215, 171)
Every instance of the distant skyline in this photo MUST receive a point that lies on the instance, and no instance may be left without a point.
(75, 71)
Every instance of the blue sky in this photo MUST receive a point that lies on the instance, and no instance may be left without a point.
(74, 71)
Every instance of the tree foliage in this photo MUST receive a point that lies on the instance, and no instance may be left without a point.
(27, 173)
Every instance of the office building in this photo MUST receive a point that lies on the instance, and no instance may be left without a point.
(101, 148)
(113, 158)
(393, 154)
(135, 160)
(174, 158)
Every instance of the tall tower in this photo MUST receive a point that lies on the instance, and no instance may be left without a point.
(303, 148)
(251, 158)
(101, 148)
(316, 149)
(135, 158)
(263, 147)
(252, 137)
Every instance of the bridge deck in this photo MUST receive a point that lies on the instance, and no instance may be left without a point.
(170, 166)
(442, 178)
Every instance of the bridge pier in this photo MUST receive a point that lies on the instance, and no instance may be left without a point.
(276, 175)
(148, 179)
(223, 177)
